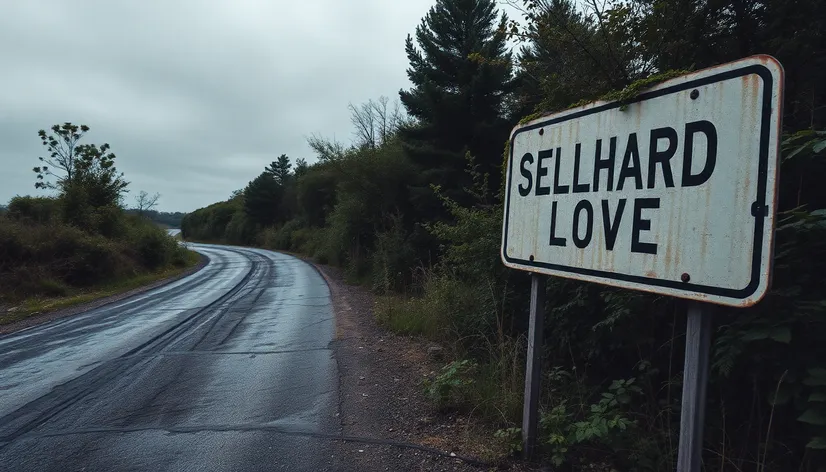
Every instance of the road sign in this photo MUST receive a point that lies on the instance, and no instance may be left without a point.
(672, 192)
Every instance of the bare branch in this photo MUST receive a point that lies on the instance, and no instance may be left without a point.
(379, 109)
(145, 202)
(364, 119)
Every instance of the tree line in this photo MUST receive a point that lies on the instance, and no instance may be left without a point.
(413, 209)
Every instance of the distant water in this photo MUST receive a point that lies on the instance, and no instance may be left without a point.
(173, 231)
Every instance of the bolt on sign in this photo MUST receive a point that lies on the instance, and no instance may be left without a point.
(671, 192)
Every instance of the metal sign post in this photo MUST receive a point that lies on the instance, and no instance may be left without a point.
(671, 192)
(530, 410)
(695, 380)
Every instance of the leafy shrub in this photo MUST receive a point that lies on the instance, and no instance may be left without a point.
(51, 288)
(345, 232)
(266, 237)
(444, 311)
(307, 241)
(57, 255)
(75, 209)
(511, 439)
(392, 259)
(14, 247)
(48, 259)
(33, 209)
(95, 260)
(109, 221)
(239, 230)
(450, 387)
(153, 246)
(280, 238)
(31, 281)
(567, 427)
(210, 223)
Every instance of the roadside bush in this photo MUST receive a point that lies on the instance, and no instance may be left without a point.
(280, 238)
(308, 241)
(94, 260)
(48, 259)
(445, 311)
(239, 230)
(75, 209)
(33, 209)
(13, 246)
(45, 259)
(83, 237)
(451, 387)
(410, 316)
(26, 281)
(346, 232)
(210, 223)
(392, 259)
(581, 425)
(110, 221)
(499, 381)
(153, 247)
(487, 385)
(266, 237)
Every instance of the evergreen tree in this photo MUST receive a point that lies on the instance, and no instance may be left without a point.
(300, 167)
(280, 169)
(567, 59)
(461, 74)
(262, 198)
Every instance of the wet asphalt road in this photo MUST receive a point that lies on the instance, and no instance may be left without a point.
(228, 369)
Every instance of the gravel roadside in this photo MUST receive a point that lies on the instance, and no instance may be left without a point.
(381, 397)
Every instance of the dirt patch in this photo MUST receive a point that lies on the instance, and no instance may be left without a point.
(34, 320)
(381, 397)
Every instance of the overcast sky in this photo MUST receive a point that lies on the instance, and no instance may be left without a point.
(195, 96)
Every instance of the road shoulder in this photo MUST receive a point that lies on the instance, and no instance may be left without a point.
(381, 397)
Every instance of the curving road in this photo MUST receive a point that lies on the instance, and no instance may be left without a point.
(226, 369)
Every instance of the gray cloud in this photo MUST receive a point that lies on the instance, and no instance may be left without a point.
(195, 96)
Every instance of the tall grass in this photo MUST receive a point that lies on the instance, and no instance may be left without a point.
(455, 314)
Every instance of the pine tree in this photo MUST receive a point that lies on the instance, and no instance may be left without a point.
(461, 75)
(301, 167)
(280, 169)
(262, 198)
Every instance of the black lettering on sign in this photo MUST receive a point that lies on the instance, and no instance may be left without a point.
(558, 189)
(589, 225)
(526, 159)
(639, 225)
(612, 228)
(555, 241)
(606, 164)
(661, 157)
(542, 171)
(632, 153)
(578, 187)
(705, 127)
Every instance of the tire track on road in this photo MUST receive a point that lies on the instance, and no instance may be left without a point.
(41, 410)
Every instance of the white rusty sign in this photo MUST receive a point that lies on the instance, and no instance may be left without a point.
(672, 192)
